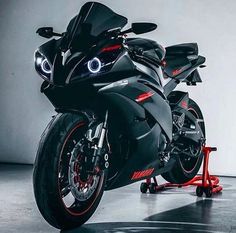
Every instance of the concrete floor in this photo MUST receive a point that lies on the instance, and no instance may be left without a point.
(124, 210)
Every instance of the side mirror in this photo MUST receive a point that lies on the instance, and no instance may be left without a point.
(47, 32)
(140, 28)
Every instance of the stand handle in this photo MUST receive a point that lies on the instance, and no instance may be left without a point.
(213, 148)
(209, 149)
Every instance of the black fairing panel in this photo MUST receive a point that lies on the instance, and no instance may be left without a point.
(193, 78)
(49, 49)
(175, 66)
(58, 71)
(156, 105)
(145, 141)
(181, 71)
(149, 47)
(75, 97)
(121, 66)
(179, 58)
(144, 155)
(175, 99)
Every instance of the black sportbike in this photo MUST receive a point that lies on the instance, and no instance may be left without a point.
(118, 119)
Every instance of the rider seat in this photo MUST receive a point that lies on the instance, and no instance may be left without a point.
(185, 49)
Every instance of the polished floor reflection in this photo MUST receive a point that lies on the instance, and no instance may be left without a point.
(124, 210)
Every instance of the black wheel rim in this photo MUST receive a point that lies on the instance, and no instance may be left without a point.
(189, 163)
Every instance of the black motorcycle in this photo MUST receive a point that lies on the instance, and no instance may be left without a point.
(118, 119)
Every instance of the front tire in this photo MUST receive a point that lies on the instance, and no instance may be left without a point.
(52, 180)
(186, 167)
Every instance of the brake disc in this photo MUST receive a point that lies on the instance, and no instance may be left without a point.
(82, 184)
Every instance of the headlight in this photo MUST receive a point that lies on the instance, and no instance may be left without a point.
(42, 66)
(94, 65)
(105, 59)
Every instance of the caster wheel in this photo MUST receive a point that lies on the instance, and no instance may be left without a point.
(143, 187)
(208, 192)
(199, 191)
(152, 188)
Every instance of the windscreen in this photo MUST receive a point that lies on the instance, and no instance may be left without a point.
(94, 18)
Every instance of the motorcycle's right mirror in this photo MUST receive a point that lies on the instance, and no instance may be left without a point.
(140, 28)
(47, 32)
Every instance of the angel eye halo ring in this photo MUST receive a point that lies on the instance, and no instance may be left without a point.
(45, 66)
(94, 65)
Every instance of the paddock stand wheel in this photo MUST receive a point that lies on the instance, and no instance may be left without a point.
(152, 188)
(200, 190)
(208, 191)
(209, 184)
(149, 186)
(206, 184)
(144, 187)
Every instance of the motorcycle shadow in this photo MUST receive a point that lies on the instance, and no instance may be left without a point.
(131, 227)
(201, 216)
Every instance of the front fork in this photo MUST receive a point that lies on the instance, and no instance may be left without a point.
(100, 156)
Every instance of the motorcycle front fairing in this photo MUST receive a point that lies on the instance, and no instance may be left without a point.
(73, 87)
(68, 56)
(149, 121)
(84, 36)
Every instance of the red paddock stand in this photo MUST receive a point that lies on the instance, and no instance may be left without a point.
(205, 183)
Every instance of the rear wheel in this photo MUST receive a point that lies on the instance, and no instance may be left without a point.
(187, 164)
(65, 192)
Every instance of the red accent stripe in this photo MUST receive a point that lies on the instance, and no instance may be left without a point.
(144, 96)
(140, 174)
(176, 72)
(184, 104)
(111, 48)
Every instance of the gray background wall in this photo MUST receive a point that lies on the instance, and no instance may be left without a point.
(24, 112)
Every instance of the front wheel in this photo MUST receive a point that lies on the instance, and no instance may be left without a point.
(187, 164)
(66, 193)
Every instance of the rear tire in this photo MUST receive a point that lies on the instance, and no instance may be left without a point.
(178, 174)
(47, 176)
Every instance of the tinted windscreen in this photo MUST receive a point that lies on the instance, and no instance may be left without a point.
(93, 19)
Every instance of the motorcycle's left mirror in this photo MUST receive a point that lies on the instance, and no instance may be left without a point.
(47, 32)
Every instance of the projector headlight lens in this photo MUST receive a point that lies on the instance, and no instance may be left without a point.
(42, 66)
(94, 65)
(45, 66)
